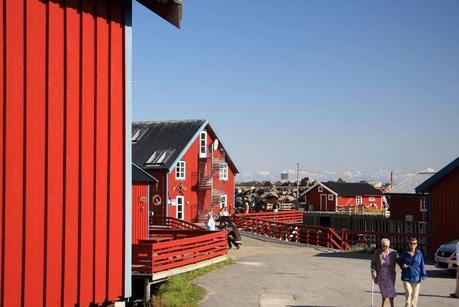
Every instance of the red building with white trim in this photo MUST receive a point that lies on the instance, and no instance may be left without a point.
(334, 196)
(194, 170)
(443, 204)
(405, 203)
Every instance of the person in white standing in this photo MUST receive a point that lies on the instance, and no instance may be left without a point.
(456, 293)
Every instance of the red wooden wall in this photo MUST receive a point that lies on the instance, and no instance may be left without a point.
(445, 209)
(62, 151)
(402, 205)
(140, 195)
(351, 201)
(313, 198)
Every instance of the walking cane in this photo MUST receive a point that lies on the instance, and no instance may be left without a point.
(372, 291)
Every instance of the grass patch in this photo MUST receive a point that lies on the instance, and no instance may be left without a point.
(179, 290)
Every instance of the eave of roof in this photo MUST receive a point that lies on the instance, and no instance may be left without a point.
(170, 10)
(139, 175)
(439, 175)
(408, 186)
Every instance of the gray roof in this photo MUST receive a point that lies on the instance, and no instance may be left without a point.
(409, 185)
(139, 175)
(158, 144)
(164, 137)
(352, 188)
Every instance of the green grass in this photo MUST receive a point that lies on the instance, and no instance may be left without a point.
(179, 290)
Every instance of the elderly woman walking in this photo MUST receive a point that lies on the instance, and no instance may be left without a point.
(383, 271)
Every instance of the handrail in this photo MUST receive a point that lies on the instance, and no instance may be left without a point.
(149, 257)
(315, 235)
(172, 222)
(292, 216)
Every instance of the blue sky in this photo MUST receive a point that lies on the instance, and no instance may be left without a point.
(348, 89)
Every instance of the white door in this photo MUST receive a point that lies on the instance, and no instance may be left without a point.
(323, 202)
(180, 209)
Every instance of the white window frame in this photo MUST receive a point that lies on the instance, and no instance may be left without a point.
(203, 144)
(422, 227)
(177, 206)
(359, 200)
(371, 198)
(423, 204)
(224, 172)
(136, 135)
(330, 196)
(223, 201)
(320, 188)
(180, 170)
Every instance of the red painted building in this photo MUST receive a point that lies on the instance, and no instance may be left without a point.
(333, 196)
(142, 186)
(65, 182)
(194, 170)
(405, 203)
(443, 204)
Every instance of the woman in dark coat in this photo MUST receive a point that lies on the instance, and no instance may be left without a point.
(383, 271)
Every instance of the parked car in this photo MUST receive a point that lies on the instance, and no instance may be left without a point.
(445, 257)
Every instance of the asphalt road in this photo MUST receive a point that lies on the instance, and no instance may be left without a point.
(270, 274)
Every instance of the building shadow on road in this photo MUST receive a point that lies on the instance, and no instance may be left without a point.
(440, 274)
(420, 294)
(346, 255)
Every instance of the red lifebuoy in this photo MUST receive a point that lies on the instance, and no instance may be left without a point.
(156, 200)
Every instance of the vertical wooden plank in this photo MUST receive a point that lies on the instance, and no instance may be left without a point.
(72, 151)
(116, 179)
(35, 152)
(2, 131)
(55, 146)
(87, 151)
(14, 154)
(102, 136)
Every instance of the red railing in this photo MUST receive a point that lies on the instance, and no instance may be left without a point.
(150, 257)
(171, 223)
(314, 235)
(290, 216)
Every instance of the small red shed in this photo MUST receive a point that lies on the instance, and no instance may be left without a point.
(142, 185)
(334, 196)
(194, 169)
(405, 203)
(65, 183)
(443, 204)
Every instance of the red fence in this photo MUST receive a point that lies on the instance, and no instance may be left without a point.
(149, 256)
(315, 235)
(172, 223)
(291, 216)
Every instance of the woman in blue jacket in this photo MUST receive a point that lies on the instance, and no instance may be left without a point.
(413, 271)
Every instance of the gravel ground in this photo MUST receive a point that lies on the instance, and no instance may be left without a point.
(272, 274)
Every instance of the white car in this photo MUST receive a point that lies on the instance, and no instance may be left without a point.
(445, 257)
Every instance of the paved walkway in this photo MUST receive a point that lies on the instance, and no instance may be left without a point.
(270, 274)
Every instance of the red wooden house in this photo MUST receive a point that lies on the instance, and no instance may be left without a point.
(65, 183)
(194, 170)
(405, 203)
(142, 186)
(337, 196)
(443, 204)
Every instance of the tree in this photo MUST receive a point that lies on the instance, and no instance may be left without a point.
(304, 182)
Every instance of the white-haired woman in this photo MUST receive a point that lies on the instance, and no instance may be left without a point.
(383, 271)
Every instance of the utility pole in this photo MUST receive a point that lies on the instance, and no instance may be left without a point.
(298, 183)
